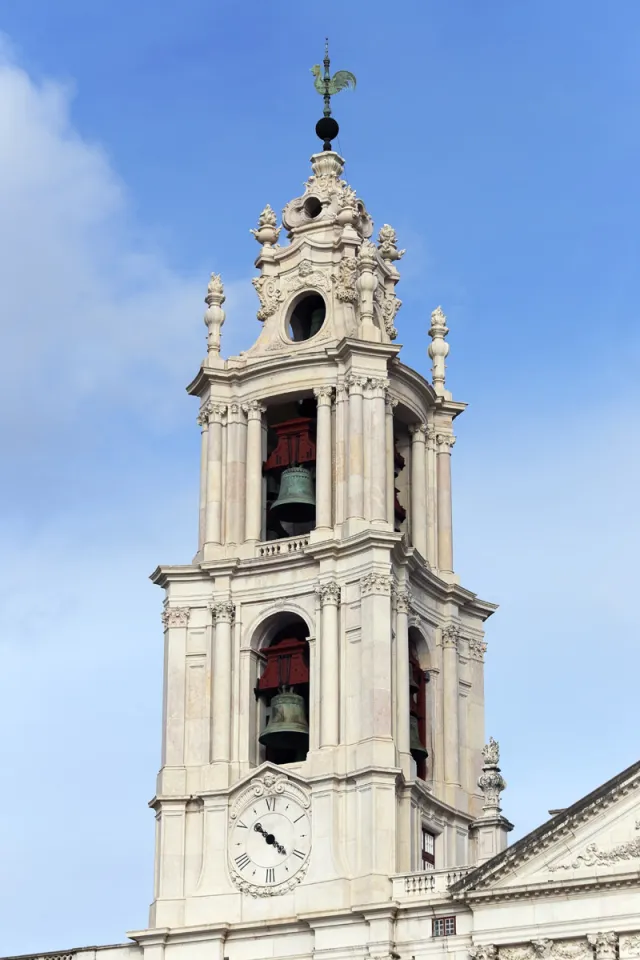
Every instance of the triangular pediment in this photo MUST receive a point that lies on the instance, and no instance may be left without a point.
(590, 843)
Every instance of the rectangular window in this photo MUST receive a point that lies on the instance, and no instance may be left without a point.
(444, 927)
(428, 850)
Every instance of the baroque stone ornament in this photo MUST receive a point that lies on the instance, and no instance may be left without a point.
(270, 295)
(543, 948)
(403, 600)
(390, 306)
(214, 315)
(438, 349)
(629, 946)
(387, 244)
(488, 951)
(594, 857)
(605, 945)
(175, 617)
(491, 781)
(274, 809)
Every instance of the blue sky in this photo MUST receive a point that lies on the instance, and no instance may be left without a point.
(138, 143)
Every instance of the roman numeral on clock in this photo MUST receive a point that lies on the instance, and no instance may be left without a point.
(270, 802)
(298, 853)
(243, 861)
(271, 875)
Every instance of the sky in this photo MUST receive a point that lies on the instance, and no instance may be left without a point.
(138, 144)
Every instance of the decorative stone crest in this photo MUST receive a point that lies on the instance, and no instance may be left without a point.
(345, 280)
(329, 592)
(387, 244)
(214, 314)
(594, 857)
(390, 306)
(306, 276)
(270, 296)
(438, 349)
(491, 781)
(375, 583)
(175, 617)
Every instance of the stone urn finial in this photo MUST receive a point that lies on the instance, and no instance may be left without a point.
(268, 232)
(438, 349)
(214, 316)
(491, 781)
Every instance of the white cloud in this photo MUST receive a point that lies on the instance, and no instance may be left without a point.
(86, 307)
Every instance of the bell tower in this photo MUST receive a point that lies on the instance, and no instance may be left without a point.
(323, 697)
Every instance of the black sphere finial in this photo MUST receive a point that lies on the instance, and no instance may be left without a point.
(327, 129)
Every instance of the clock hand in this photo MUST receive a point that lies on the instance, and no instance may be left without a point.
(269, 837)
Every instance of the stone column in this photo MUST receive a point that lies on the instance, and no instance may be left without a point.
(329, 594)
(403, 703)
(224, 615)
(253, 509)
(418, 488)
(390, 404)
(432, 526)
(375, 445)
(341, 452)
(236, 474)
(203, 423)
(355, 498)
(445, 442)
(175, 621)
(323, 458)
(450, 639)
(213, 516)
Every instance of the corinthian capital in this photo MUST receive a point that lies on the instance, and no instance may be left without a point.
(445, 441)
(418, 432)
(224, 611)
(323, 395)
(328, 592)
(403, 600)
(606, 945)
(451, 635)
(375, 583)
(354, 384)
(254, 409)
(487, 951)
(175, 617)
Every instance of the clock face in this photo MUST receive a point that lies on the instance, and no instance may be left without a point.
(270, 841)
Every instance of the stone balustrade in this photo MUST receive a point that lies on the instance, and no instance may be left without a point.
(284, 547)
(426, 883)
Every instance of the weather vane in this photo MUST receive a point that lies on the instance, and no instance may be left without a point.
(327, 86)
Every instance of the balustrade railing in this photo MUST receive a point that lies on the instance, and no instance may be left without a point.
(426, 883)
(284, 547)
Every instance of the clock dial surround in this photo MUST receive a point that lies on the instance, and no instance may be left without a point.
(270, 842)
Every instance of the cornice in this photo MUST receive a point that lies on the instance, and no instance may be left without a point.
(163, 575)
(405, 555)
(534, 891)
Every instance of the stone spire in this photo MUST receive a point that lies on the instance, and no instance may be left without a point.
(438, 350)
(214, 318)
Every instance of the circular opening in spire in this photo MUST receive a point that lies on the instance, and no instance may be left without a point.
(312, 207)
(307, 317)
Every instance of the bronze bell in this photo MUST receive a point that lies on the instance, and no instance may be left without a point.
(296, 501)
(418, 752)
(287, 728)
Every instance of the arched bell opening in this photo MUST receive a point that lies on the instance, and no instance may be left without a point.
(290, 468)
(418, 678)
(401, 448)
(307, 317)
(283, 690)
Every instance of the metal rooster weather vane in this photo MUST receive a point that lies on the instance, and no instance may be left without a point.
(327, 86)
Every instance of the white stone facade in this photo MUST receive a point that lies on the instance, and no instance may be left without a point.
(371, 584)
